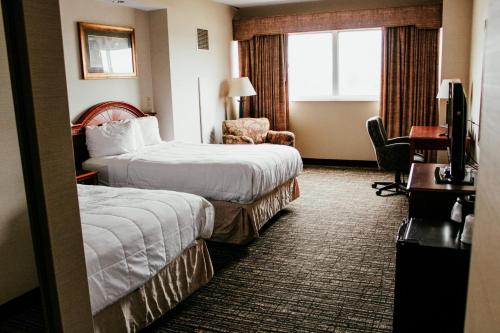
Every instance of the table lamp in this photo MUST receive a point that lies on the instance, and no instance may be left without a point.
(241, 87)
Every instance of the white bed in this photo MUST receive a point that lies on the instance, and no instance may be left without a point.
(130, 235)
(236, 173)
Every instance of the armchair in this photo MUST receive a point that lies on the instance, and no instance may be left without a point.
(392, 155)
(254, 131)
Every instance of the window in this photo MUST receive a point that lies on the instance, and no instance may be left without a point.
(342, 65)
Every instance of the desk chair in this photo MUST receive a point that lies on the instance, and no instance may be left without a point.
(392, 155)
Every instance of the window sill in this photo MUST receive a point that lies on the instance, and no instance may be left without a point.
(336, 99)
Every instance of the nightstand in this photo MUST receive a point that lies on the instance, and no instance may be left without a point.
(86, 177)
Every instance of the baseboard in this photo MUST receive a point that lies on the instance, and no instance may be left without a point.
(333, 162)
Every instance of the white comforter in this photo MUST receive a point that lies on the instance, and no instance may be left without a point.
(239, 173)
(130, 234)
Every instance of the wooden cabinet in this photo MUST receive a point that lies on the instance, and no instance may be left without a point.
(432, 269)
(428, 199)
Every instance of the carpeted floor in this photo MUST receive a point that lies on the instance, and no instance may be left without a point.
(325, 264)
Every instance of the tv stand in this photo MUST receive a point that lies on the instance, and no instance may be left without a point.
(442, 175)
(428, 199)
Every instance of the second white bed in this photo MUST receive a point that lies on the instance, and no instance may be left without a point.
(130, 235)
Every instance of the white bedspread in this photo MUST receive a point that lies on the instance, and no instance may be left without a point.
(239, 173)
(130, 234)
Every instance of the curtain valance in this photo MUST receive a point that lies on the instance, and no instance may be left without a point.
(425, 16)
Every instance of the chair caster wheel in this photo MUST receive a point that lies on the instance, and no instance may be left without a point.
(374, 185)
(378, 193)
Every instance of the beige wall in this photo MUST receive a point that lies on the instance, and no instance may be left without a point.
(187, 65)
(60, 243)
(85, 93)
(457, 20)
(16, 251)
(169, 63)
(480, 12)
(333, 130)
(483, 303)
(160, 65)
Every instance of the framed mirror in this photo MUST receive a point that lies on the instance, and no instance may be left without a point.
(107, 51)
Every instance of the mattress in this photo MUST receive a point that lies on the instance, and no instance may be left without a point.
(236, 173)
(130, 235)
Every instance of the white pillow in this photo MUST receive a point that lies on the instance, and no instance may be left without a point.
(113, 138)
(139, 141)
(149, 130)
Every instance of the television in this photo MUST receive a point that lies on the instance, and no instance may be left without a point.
(456, 172)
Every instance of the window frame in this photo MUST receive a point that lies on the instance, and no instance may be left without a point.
(335, 97)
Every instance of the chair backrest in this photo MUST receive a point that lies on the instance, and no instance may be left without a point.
(377, 132)
(255, 128)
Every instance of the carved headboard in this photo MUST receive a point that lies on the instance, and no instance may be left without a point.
(97, 115)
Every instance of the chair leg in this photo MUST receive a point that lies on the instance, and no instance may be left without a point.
(396, 187)
(377, 184)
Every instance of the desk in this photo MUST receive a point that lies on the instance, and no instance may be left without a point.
(428, 199)
(427, 138)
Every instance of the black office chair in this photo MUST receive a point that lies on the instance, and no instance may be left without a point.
(392, 155)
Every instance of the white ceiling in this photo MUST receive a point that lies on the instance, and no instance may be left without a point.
(251, 3)
(158, 4)
(139, 4)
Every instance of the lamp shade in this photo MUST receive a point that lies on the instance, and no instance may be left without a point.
(241, 87)
(444, 88)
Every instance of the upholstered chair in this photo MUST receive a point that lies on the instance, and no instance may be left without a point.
(392, 155)
(254, 131)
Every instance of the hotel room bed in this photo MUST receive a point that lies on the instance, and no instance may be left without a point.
(144, 252)
(235, 173)
(247, 184)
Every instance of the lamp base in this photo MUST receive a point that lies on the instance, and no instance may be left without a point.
(241, 108)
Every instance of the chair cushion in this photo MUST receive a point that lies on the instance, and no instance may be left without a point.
(376, 131)
(254, 128)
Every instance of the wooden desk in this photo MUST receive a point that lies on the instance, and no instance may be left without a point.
(428, 199)
(427, 138)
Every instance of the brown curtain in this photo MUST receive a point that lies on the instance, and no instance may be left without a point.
(264, 60)
(409, 78)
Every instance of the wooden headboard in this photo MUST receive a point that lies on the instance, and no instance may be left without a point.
(97, 115)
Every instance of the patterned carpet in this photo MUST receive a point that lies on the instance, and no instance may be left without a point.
(325, 264)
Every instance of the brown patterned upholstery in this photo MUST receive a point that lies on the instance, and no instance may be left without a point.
(254, 131)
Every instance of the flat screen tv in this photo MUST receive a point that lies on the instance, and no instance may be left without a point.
(457, 133)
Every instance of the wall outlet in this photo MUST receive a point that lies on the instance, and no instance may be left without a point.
(148, 103)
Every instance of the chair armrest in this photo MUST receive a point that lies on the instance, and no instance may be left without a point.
(281, 138)
(238, 140)
(395, 156)
(401, 139)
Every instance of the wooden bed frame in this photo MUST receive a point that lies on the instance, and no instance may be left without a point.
(97, 115)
